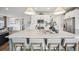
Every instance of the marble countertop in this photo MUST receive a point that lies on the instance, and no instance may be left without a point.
(40, 34)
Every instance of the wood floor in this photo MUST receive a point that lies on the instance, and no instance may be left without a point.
(5, 47)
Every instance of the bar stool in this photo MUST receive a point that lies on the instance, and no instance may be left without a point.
(19, 46)
(53, 47)
(70, 44)
(54, 44)
(36, 44)
(19, 43)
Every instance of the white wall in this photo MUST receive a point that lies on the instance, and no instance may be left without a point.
(58, 19)
(74, 13)
(36, 17)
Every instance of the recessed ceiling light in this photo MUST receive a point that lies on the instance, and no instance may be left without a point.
(6, 8)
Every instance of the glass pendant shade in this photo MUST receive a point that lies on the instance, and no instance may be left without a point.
(59, 11)
(29, 11)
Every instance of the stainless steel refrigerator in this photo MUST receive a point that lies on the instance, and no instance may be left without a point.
(69, 25)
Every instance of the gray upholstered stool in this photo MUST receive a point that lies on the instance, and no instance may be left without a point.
(19, 46)
(19, 42)
(70, 46)
(53, 47)
(36, 46)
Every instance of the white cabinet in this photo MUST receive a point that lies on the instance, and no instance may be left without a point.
(1, 23)
(14, 23)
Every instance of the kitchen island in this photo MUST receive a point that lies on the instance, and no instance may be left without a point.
(42, 34)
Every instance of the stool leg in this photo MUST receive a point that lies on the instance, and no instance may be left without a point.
(45, 41)
(28, 43)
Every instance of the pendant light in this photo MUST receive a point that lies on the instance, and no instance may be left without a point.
(29, 11)
(59, 11)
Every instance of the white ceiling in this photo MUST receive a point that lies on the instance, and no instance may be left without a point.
(19, 11)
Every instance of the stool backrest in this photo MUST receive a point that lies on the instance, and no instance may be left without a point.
(70, 40)
(54, 40)
(36, 40)
(19, 40)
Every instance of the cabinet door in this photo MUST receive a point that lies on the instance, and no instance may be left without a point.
(14, 24)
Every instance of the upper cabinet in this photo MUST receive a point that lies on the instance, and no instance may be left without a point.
(1, 23)
(14, 24)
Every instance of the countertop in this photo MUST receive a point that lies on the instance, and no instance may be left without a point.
(40, 34)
